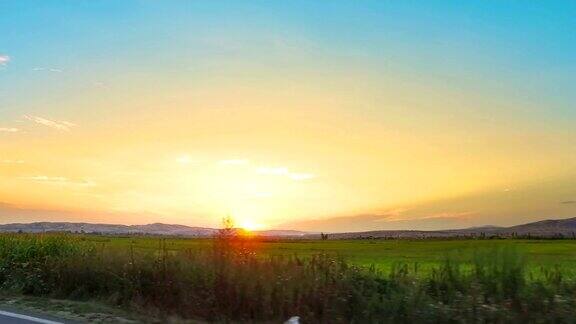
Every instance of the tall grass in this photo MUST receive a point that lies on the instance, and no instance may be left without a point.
(232, 282)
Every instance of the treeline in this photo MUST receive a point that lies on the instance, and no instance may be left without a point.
(474, 236)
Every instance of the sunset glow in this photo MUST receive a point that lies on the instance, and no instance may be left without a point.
(183, 112)
(249, 225)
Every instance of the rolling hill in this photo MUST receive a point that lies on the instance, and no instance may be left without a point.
(116, 229)
(545, 228)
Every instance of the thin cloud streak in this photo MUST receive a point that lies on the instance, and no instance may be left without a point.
(400, 214)
(58, 125)
(47, 69)
(7, 161)
(9, 130)
(60, 181)
(283, 171)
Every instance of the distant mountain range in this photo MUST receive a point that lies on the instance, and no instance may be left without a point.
(149, 229)
(545, 228)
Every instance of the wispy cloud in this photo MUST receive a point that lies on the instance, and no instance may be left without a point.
(568, 202)
(47, 69)
(283, 171)
(4, 59)
(390, 215)
(63, 181)
(400, 215)
(9, 130)
(445, 215)
(8, 161)
(54, 124)
(234, 162)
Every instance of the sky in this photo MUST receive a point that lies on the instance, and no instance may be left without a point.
(311, 115)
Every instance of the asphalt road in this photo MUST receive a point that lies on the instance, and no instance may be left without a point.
(19, 318)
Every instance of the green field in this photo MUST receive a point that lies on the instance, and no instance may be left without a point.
(238, 279)
(384, 254)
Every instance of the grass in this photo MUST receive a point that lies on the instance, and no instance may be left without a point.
(384, 254)
(246, 280)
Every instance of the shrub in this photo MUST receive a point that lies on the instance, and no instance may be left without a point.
(233, 282)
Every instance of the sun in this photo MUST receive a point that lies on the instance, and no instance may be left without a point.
(250, 225)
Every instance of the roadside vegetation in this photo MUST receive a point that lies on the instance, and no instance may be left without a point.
(231, 279)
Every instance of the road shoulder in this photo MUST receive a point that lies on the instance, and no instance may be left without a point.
(64, 311)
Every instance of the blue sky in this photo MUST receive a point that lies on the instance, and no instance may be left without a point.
(527, 47)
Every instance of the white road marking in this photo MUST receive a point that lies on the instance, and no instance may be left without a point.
(29, 318)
